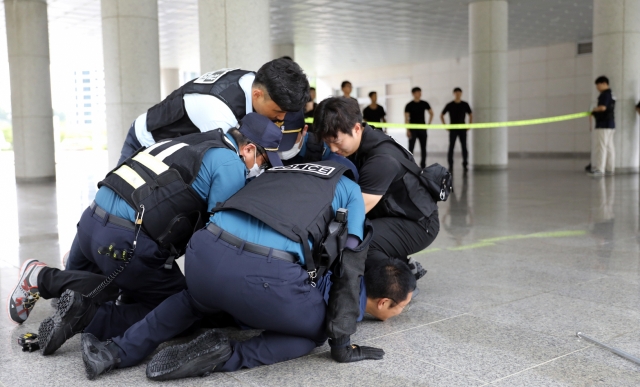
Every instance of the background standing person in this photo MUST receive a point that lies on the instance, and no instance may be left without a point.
(310, 107)
(374, 112)
(638, 107)
(457, 109)
(346, 89)
(603, 157)
(414, 114)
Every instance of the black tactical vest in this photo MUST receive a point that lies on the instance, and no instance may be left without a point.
(313, 187)
(169, 119)
(406, 197)
(159, 178)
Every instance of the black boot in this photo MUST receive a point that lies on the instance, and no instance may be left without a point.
(75, 312)
(416, 268)
(98, 357)
(199, 357)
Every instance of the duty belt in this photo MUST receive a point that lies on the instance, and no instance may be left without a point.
(112, 218)
(251, 247)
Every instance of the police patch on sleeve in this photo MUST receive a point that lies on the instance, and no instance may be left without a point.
(321, 170)
(212, 76)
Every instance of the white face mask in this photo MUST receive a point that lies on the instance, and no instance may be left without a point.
(293, 152)
(255, 171)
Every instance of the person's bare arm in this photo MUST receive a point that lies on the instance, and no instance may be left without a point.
(599, 108)
(430, 116)
(471, 118)
(370, 201)
(442, 118)
(406, 121)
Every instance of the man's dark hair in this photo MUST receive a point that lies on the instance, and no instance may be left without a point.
(287, 57)
(344, 83)
(457, 89)
(312, 88)
(415, 89)
(390, 279)
(285, 83)
(602, 79)
(334, 115)
(372, 93)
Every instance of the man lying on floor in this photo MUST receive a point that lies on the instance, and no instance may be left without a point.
(249, 262)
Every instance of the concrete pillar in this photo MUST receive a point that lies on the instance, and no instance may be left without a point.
(169, 82)
(616, 54)
(488, 44)
(31, 111)
(234, 33)
(131, 65)
(280, 50)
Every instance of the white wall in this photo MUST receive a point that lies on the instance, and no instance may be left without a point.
(543, 81)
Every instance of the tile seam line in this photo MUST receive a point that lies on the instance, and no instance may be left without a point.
(417, 326)
(541, 364)
(439, 366)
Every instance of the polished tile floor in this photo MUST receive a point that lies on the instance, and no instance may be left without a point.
(525, 259)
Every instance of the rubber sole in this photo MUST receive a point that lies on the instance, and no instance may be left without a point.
(52, 332)
(23, 268)
(199, 357)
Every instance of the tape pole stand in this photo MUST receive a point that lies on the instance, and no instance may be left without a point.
(618, 352)
(482, 125)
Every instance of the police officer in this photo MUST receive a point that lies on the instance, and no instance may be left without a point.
(306, 148)
(219, 99)
(257, 262)
(405, 218)
(152, 204)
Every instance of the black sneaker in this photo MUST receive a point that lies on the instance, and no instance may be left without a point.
(99, 357)
(199, 357)
(75, 312)
(416, 268)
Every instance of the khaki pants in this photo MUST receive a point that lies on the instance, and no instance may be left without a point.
(602, 150)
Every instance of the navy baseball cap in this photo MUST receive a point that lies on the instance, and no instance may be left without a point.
(260, 130)
(292, 125)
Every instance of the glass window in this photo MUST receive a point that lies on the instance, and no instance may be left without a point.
(86, 80)
(85, 73)
(85, 105)
(87, 121)
(86, 89)
(87, 97)
(87, 113)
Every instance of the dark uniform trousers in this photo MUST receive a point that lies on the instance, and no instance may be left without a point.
(421, 136)
(462, 135)
(395, 237)
(145, 280)
(259, 292)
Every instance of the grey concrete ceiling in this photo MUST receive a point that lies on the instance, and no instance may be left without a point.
(335, 36)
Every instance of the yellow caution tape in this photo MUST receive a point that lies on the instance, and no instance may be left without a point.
(482, 125)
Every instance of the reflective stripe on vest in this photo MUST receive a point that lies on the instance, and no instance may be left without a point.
(151, 162)
(154, 163)
(130, 176)
(170, 150)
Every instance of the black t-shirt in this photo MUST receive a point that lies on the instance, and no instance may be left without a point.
(379, 171)
(310, 113)
(457, 111)
(373, 115)
(416, 111)
(605, 119)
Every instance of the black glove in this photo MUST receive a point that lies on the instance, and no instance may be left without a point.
(353, 353)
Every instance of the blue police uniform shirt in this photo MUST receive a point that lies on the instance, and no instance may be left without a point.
(347, 195)
(221, 175)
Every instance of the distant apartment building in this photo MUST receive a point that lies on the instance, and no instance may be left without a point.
(89, 112)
